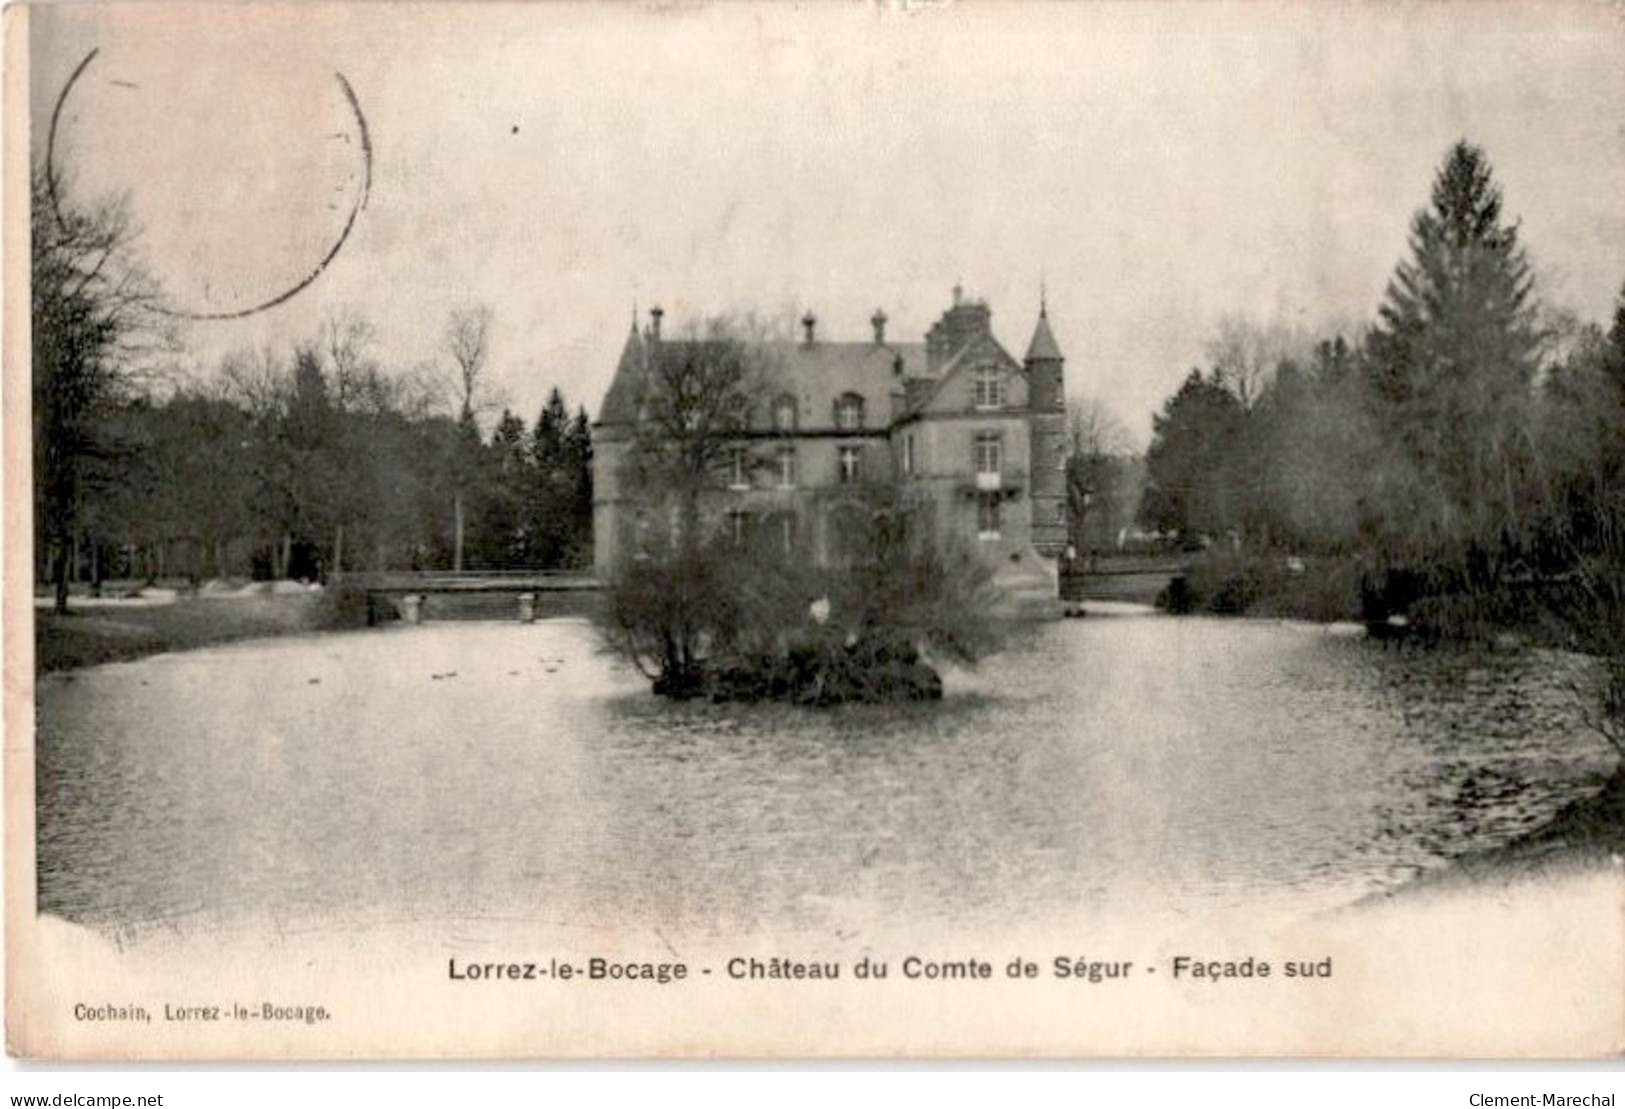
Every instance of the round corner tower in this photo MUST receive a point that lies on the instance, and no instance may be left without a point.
(1046, 399)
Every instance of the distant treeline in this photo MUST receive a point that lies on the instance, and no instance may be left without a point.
(1468, 444)
(284, 481)
(272, 464)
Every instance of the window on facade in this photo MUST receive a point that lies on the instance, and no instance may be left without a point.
(908, 455)
(849, 412)
(988, 387)
(787, 467)
(738, 526)
(851, 464)
(987, 453)
(784, 413)
(739, 468)
(640, 534)
(987, 516)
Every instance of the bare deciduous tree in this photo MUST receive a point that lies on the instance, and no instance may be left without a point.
(696, 403)
(257, 380)
(467, 339)
(99, 327)
(1245, 355)
(346, 339)
(468, 343)
(1097, 444)
(1092, 429)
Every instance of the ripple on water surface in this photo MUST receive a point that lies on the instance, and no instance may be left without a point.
(1099, 767)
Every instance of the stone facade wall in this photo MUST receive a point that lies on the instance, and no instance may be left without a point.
(1029, 491)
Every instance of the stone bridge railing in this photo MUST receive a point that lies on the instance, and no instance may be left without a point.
(476, 594)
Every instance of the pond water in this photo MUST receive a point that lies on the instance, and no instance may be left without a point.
(1094, 769)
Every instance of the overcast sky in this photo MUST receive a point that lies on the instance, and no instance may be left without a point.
(1160, 166)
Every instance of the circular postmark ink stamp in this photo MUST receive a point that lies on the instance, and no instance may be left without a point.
(246, 176)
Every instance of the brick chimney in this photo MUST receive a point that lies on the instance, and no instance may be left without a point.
(654, 320)
(878, 320)
(808, 323)
(964, 321)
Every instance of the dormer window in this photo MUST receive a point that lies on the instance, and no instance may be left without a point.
(988, 388)
(784, 414)
(849, 412)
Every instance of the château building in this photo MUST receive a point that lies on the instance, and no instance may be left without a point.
(955, 421)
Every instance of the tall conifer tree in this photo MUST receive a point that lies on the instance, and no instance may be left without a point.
(1452, 361)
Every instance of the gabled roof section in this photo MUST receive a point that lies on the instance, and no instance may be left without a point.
(978, 351)
(918, 390)
(621, 401)
(894, 380)
(1043, 347)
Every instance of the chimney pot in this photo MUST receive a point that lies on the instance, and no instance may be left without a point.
(809, 322)
(654, 319)
(879, 322)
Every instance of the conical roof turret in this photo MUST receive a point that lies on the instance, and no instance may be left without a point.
(621, 402)
(1043, 348)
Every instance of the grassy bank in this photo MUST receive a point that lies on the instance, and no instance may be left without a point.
(1590, 829)
(1585, 835)
(91, 635)
(1328, 588)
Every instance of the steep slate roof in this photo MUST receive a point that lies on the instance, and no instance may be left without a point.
(621, 402)
(818, 373)
(1043, 345)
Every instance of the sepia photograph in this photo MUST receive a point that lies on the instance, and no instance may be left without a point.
(889, 530)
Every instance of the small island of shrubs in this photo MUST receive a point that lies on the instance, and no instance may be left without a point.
(729, 619)
(708, 601)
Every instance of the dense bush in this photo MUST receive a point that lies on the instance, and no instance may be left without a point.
(1263, 583)
(1590, 604)
(743, 621)
(1446, 466)
(342, 604)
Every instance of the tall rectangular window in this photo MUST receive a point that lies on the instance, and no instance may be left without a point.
(851, 464)
(987, 516)
(739, 468)
(987, 453)
(908, 455)
(989, 391)
(641, 527)
(787, 467)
